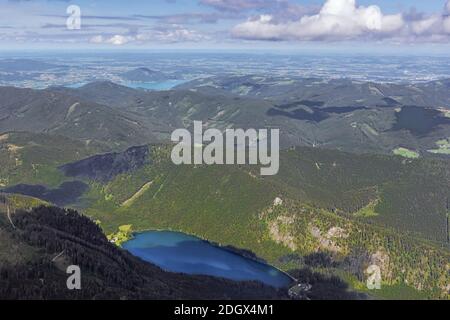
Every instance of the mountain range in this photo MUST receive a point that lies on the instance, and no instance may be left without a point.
(144, 75)
(364, 179)
(336, 114)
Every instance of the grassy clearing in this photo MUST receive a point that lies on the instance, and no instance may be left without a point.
(399, 292)
(138, 194)
(24, 202)
(406, 153)
(369, 210)
(443, 147)
(387, 291)
(35, 158)
(124, 234)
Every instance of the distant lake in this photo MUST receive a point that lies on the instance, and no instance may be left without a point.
(157, 86)
(178, 252)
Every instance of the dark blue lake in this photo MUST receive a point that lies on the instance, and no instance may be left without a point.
(178, 252)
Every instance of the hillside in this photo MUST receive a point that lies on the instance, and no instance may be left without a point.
(358, 117)
(46, 240)
(47, 111)
(408, 194)
(329, 92)
(321, 191)
(361, 187)
(34, 158)
(105, 93)
(144, 75)
(329, 211)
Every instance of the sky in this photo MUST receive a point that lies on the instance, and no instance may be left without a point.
(225, 24)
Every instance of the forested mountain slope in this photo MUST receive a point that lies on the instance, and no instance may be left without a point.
(334, 203)
(38, 246)
(339, 114)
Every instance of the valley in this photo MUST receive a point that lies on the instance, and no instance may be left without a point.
(320, 196)
(48, 239)
(340, 114)
(364, 175)
(225, 158)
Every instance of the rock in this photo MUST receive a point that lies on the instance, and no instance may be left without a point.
(277, 202)
(299, 291)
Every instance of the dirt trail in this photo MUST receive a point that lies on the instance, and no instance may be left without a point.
(8, 213)
(138, 194)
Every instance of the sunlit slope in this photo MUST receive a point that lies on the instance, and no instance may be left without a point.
(331, 202)
(208, 201)
(410, 195)
(34, 158)
(319, 210)
(407, 194)
(339, 114)
(54, 112)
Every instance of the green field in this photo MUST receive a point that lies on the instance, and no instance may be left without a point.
(406, 153)
(34, 158)
(443, 147)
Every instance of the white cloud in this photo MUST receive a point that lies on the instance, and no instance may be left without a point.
(118, 40)
(344, 20)
(177, 33)
(96, 39)
(173, 34)
(424, 25)
(433, 27)
(446, 25)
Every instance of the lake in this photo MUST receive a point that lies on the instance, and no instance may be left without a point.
(156, 86)
(179, 252)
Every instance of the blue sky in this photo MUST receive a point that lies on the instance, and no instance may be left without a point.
(219, 24)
